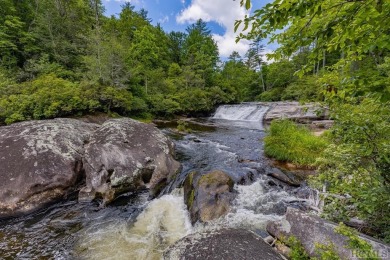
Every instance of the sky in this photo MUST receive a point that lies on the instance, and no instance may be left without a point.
(176, 15)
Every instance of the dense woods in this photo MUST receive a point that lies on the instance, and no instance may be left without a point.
(62, 58)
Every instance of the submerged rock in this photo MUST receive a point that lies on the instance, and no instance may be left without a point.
(312, 230)
(208, 196)
(286, 177)
(225, 244)
(126, 155)
(40, 162)
(43, 161)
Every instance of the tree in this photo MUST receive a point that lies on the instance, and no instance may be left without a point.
(364, 26)
(254, 58)
(200, 52)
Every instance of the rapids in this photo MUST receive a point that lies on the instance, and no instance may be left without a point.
(135, 227)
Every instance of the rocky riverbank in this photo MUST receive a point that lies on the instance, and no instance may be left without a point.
(44, 161)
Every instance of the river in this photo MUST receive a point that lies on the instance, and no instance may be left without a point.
(135, 227)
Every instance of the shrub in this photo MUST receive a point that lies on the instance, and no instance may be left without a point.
(49, 96)
(287, 141)
(274, 94)
(357, 165)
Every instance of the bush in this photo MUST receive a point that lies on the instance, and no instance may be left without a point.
(286, 141)
(49, 96)
(274, 94)
(304, 89)
(357, 165)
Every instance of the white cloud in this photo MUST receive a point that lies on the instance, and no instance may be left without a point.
(224, 12)
(164, 19)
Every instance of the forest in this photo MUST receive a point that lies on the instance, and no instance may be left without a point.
(66, 58)
(61, 58)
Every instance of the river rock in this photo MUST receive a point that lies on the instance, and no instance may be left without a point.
(126, 155)
(286, 177)
(302, 113)
(40, 162)
(208, 196)
(311, 230)
(43, 161)
(224, 244)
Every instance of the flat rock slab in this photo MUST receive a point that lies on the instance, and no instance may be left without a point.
(293, 110)
(224, 244)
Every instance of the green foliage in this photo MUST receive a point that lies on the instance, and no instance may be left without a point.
(297, 250)
(357, 164)
(360, 247)
(326, 252)
(182, 126)
(49, 96)
(354, 27)
(303, 89)
(287, 141)
(274, 94)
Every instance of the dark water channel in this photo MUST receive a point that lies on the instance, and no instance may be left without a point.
(136, 228)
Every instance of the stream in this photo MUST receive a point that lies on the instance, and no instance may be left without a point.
(134, 227)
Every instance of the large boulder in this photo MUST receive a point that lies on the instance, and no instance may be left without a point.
(222, 244)
(40, 161)
(302, 113)
(126, 155)
(312, 230)
(43, 161)
(208, 196)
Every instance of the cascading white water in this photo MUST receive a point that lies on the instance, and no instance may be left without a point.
(249, 114)
(163, 222)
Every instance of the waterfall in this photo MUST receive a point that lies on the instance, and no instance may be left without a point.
(249, 115)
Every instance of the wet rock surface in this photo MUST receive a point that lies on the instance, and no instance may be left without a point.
(222, 244)
(208, 196)
(285, 176)
(311, 230)
(43, 161)
(125, 155)
(40, 161)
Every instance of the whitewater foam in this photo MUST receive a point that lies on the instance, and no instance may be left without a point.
(163, 222)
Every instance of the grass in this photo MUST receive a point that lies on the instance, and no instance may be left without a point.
(287, 141)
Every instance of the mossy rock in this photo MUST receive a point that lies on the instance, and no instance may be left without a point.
(208, 196)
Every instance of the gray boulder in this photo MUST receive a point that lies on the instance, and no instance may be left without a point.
(227, 244)
(126, 155)
(312, 230)
(293, 110)
(208, 196)
(40, 161)
(43, 161)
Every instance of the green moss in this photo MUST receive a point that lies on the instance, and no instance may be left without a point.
(191, 198)
(208, 179)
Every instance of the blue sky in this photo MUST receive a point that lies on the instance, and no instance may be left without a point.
(176, 15)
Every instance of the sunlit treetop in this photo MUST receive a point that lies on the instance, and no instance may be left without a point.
(353, 27)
